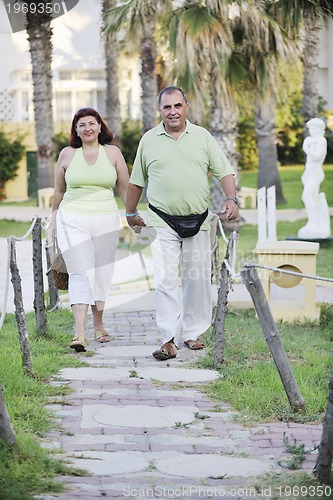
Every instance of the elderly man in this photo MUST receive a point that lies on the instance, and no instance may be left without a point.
(175, 158)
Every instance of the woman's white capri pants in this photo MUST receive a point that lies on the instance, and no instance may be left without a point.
(88, 244)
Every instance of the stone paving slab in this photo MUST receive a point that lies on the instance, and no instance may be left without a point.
(143, 429)
(136, 416)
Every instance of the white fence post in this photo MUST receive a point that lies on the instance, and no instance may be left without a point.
(266, 201)
(262, 221)
(271, 211)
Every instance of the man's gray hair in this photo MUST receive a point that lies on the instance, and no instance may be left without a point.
(170, 90)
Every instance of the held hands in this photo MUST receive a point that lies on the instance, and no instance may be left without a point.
(135, 222)
(229, 210)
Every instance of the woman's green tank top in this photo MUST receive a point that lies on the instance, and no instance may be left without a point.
(89, 188)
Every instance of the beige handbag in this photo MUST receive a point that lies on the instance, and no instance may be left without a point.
(58, 266)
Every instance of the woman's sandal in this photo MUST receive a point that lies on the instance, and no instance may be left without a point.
(79, 344)
(102, 336)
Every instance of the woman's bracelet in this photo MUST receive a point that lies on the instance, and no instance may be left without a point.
(131, 215)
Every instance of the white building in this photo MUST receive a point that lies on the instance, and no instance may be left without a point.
(326, 64)
(78, 68)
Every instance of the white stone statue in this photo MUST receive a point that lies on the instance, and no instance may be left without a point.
(315, 147)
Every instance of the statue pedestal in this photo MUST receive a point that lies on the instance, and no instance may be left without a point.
(320, 227)
(312, 240)
(294, 256)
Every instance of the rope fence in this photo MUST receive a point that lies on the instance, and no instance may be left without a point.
(9, 239)
(231, 261)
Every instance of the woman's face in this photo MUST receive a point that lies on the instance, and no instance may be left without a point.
(88, 128)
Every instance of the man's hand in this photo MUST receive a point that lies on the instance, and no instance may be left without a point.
(229, 210)
(136, 223)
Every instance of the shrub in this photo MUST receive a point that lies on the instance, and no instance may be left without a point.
(61, 140)
(326, 316)
(289, 129)
(131, 135)
(246, 142)
(11, 152)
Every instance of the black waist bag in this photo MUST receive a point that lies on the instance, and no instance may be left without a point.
(184, 225)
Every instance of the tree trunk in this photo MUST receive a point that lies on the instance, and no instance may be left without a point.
(312, 26)
(37, 260)
(325, 456)
(39, 31)
(19, 311)
(223, 126)
(7, 434)
(148, 68)
(111, 47)
(265, 132)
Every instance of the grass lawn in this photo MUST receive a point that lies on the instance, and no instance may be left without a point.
(28, 469)
(31, 202)
(251, 383)
(292, 185)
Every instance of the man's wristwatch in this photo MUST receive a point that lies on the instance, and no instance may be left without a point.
(235, 200)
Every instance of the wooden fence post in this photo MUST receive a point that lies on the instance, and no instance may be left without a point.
(37, 260)
(325, 456)
(272, 337)
(222, 305)
(7, 434)
(53, 291)
(221, 312)
(19, 311)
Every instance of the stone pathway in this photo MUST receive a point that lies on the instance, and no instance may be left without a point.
(144, 429)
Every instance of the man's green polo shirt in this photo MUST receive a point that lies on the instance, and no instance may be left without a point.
(177, 170)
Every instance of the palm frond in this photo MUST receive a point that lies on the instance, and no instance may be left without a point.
(125, 15)
(170, 26)
(199, 21)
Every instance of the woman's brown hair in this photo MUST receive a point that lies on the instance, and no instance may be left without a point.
(104, 137)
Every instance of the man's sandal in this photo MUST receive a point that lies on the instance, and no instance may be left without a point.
(167, 351)
(79, 344)
(195, 345)
(102, 336)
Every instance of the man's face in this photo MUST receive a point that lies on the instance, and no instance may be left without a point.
(173, 110)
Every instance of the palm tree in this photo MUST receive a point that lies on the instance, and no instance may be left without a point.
(305, 18)
(263, 45)
(312, 27)
(138, 19)
(227, 45)
(201, 41)
(268, 174)
(111, 47)
(38, 26)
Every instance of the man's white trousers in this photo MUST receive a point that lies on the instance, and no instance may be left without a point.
(181, 311)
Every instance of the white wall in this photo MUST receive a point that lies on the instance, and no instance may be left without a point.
(326, 64)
